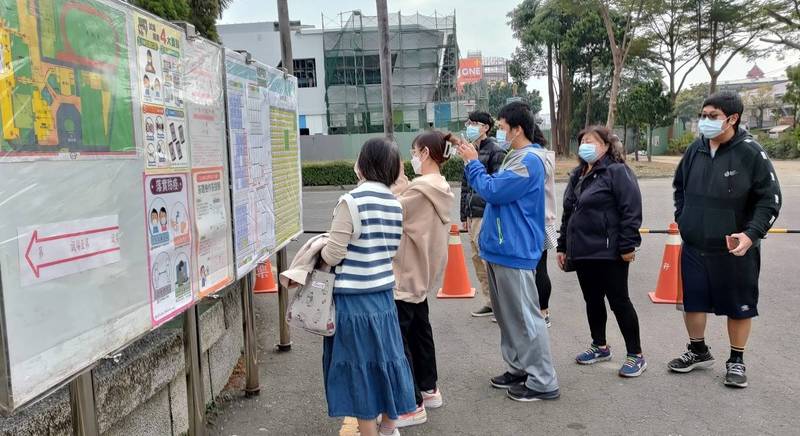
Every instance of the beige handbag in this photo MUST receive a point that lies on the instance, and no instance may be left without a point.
(312, 308)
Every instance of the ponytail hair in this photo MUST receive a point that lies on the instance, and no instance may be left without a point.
(437, 143)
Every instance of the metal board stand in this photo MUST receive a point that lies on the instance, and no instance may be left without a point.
(81, 400)
(252, 386)
(194, 378)
(285, 340)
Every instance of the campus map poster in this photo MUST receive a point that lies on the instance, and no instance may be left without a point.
(169, 232)
(286, 173)
(159, 58)
(65, 81)
(213, 250)
(251, 162)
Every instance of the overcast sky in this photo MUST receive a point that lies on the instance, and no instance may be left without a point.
(481, 25)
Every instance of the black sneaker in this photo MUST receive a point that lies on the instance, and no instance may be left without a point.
(523, 394)
(691, 360)
(735, 377)
(483, 311)
(507, 380)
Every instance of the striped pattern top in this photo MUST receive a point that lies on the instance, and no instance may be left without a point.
(377, 228)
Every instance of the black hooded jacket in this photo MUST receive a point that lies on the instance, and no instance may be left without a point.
(734, 191)
(491, 156)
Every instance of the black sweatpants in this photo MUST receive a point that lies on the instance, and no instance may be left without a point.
(543, 284)
(415, 326)
(600, 279)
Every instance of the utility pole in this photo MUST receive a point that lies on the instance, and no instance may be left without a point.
(285, 340)
(286, 39)
(386, 68)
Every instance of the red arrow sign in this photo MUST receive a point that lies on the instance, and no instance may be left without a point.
(78, 244)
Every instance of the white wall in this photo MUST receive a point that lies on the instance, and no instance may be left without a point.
(263, 42)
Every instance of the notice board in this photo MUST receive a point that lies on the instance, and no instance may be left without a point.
(73, 257)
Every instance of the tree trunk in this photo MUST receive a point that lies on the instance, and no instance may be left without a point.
(589, 99)
(612, 99)
(650, 146)
(551, 93)
(636, 142)
(565, 115)
(712, 87)
(625, 138)
(671, 130)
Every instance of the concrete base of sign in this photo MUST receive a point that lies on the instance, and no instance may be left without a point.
(144, 392)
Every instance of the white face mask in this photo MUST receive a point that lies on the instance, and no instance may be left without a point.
(416, 163)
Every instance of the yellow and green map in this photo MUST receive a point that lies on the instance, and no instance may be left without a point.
(64, 79)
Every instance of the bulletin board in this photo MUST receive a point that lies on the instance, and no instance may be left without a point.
(205, 101)
(250, 152)
(73, 256)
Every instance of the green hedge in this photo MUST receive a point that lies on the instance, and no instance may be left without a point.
(340, 173)
(787, 146)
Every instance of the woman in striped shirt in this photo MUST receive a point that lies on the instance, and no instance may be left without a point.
(365, 369)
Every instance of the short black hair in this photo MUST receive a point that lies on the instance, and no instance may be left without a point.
(481, 117)
(729, 102)
(518, 114)
(379, 161)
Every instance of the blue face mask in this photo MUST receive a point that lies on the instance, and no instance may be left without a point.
(588, 152)
(501, 139)
(473, 133)
(710, 128)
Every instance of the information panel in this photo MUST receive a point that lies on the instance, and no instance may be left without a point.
(205, 101)
(73, 256)
(65, 93)
(251, 161)
(159, 58)
(286, 170)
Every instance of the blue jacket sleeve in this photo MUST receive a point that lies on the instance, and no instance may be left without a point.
(499, 188)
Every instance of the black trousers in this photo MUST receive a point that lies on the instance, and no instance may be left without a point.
(415, 326)
(543, 284)
(601, 279)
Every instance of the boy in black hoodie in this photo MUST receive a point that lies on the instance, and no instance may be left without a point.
(727, 197)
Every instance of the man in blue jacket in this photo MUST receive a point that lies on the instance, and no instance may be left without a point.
(511, 243)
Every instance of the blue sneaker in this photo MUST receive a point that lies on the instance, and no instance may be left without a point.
(593, 355)
(634, 366)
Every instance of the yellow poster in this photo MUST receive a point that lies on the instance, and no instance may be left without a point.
(159, 53)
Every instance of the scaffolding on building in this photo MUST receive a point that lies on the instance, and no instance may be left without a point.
(424, 63)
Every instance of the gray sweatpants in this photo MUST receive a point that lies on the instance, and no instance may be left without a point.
(524, 341)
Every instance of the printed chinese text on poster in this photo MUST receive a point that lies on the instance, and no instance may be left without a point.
(160, 79)
(169, 238)
(251, 162)
(285, 156)
(213, 257)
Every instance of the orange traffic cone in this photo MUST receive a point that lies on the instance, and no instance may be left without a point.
(456, 279)
(265, 279)
(670, 284)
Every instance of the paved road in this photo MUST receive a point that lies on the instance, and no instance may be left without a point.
(594, 399)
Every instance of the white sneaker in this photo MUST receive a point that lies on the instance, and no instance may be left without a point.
(396, 432)
(419, 416)
(432, 399)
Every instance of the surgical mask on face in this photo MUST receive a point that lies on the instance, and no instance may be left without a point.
(501, 139)
(710, 128)
(473, 133)
(416, 163)
(588, 152)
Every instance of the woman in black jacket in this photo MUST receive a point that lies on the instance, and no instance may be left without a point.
(599, 237)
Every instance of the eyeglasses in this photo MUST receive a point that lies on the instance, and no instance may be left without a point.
(473, 123)
(711, 116)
